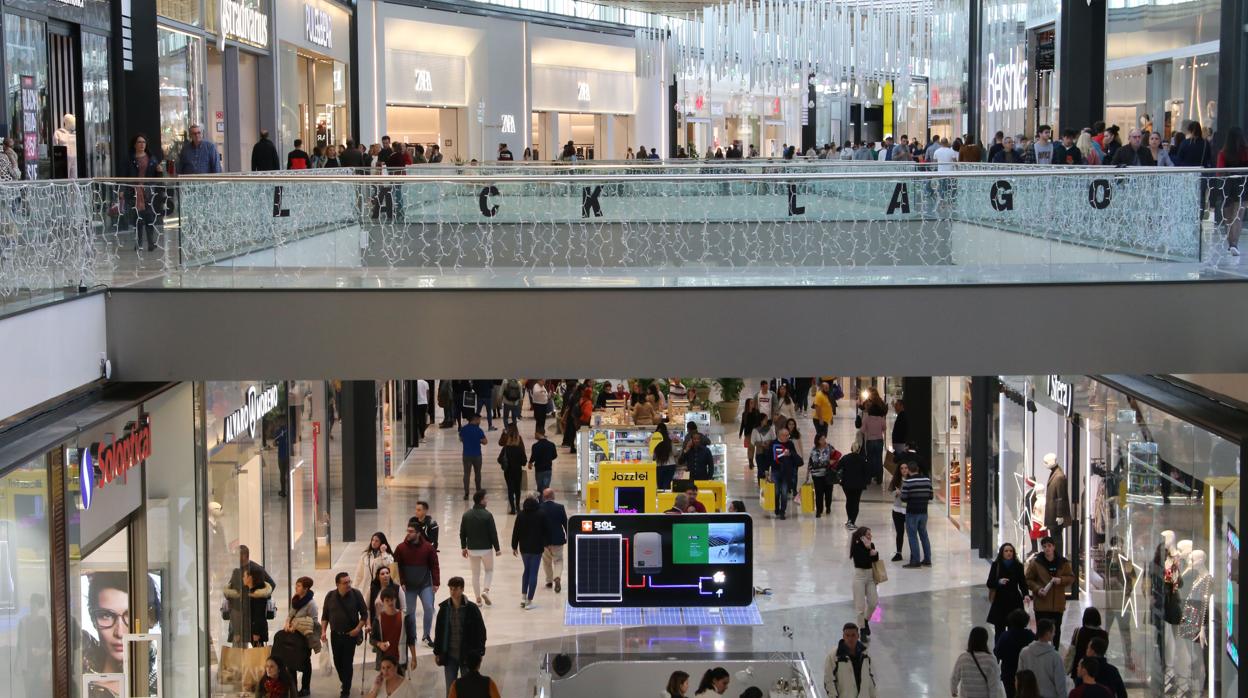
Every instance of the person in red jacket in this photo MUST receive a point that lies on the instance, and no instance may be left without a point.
(417, 561)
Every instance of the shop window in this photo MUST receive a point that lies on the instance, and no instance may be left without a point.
(26, 59)
(180, 58)
(25, 588)
(97, 105)
(185, 11)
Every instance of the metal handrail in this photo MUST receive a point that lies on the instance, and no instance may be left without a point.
(766, 176)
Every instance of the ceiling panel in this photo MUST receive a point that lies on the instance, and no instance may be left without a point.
(681, 7)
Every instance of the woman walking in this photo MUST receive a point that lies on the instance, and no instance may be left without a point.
(874, 419)
(820, 469)
(899, 507)
(1007, 587)
(378, 554)
(664, 457)
(975, 673)
(512, 458)
(750, 418)
(1234, 153)
(528, 541)
(864, 555)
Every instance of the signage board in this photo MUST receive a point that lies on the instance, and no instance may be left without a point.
(508, 123)
(418, 79)
(583, 90)
(243, 22)
(103, 463)
(245, 419)
(318, 26)
(1061, 392)
(30, 125)
(1007, 82)
(660, 560)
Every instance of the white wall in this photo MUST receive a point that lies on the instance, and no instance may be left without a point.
(50, 351)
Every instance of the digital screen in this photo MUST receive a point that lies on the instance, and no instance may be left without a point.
(630, 500)
(656, 560)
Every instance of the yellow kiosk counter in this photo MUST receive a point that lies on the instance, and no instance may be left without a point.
(632, 488)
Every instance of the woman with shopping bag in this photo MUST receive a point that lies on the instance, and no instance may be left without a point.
(865, 557)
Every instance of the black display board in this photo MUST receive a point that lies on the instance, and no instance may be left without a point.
(650, 560)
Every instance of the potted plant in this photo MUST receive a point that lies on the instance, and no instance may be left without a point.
(730, 399)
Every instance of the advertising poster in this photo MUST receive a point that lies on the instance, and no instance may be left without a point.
(30, 125)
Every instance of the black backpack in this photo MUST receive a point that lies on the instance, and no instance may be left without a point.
(512, 391)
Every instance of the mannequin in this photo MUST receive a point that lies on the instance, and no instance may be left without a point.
(1057, 500)
(67, 136)
(1189, 634)
(1164, 581)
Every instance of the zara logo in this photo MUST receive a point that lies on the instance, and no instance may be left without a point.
(582, 92)
(424, 81)
(509, 123)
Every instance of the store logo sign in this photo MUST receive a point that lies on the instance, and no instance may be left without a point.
(244, 23)
(114, 460)
(318, 26)
(509, 123)
(1007, 83)
(424, 81)
(582, 92)
(1061, 393)
(244, 419)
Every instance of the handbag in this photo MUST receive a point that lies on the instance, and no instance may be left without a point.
(270, 609)
(470, 399)
(225, 608)
(1069, 660)
(879, 572)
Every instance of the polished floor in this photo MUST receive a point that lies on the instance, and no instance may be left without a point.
(920, 626)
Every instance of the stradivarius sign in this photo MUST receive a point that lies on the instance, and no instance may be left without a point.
(244, 419)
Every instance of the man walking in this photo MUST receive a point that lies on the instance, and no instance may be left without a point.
(478, 542)
(422, 408)
(822, 409)
(344, 616)
(419, 575)
(854, 471)
(264, 154)
(847, 670)
(916, 492)
(539, 398)
(785, 462)
(542, 460)
(460, 632)
(1041, 658)
(1048, 576)
(473, 439)
(425, 523)
(198, 155)
(556, 537)
(297, 159)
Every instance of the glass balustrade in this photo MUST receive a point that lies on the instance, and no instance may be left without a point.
(722, 223)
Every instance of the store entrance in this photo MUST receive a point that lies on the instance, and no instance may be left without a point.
(867, 122)
(323, 117)
(427, 126)
(1044, 51)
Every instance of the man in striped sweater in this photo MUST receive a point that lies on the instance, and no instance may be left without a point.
(916, 492)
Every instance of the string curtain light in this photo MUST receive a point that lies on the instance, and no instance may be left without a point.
(761, 48)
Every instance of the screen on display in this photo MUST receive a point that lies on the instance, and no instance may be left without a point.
(630, 500)
(647, 560)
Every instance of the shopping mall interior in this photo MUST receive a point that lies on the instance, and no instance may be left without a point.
(974, 264)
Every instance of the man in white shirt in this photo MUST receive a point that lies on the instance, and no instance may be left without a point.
(422, 408)
(764, 399)
(540, 399)
(945, 156)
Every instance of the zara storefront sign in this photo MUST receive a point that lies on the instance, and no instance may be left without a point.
(113, 460)
(424, 81)
(509, 123)
(1007, 83)
(582, 92)
(318, 26)
(244, 23)
(244, 419)
(1061, 393)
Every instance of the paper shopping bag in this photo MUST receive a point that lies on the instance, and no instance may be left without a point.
(242, 666)
(808, 498)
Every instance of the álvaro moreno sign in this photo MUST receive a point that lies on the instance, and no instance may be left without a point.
(318, 26)
(114, 460)
(244, 23)
(245, 418)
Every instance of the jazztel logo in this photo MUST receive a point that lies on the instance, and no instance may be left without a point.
(630, 476)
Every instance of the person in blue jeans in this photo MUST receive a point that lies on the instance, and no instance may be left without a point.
(528, 541)
(542, 460)
(473, 439)
(459, 634)
(785, 462)
(419, 574)
(916, 492)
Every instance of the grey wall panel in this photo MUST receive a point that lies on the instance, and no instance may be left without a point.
(915, 331)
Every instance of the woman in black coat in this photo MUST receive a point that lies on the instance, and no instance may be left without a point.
(138, 203)
(1007, 587)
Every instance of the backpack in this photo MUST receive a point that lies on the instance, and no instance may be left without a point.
(512, 391)
(837, 393)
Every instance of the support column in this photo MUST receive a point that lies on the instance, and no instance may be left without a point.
(917, 394)
(1081, 62)
(1232, 67)
(136, 91)
(233, 121)
(359, 452)
(975, 22)
(809, 132)
(983, 464)
(672, 114)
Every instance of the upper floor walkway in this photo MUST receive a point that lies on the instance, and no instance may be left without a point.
(587, 225)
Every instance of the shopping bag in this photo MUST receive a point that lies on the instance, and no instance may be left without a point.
(808, 498)
(879, 572)
(767, 496)
(242, 666)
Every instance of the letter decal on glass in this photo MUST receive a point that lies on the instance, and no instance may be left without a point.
(1100, 193)
(794, 209)
(1002, 196)
(900, 200)
(589, 201)
(484, 201)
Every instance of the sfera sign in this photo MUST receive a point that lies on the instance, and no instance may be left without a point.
(244, 23)
(1061, 393)
(244, 419)
(113, 460)
(1007, 83)
(318, 26)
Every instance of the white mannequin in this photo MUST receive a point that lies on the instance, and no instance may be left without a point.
(1185, 551)
(1189, 635)
(1168, 538)
(67, 136)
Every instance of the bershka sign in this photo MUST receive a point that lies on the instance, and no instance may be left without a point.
(113, 460)
(318, 26)
(244, 419)
(244, 23)
(1007, 83)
